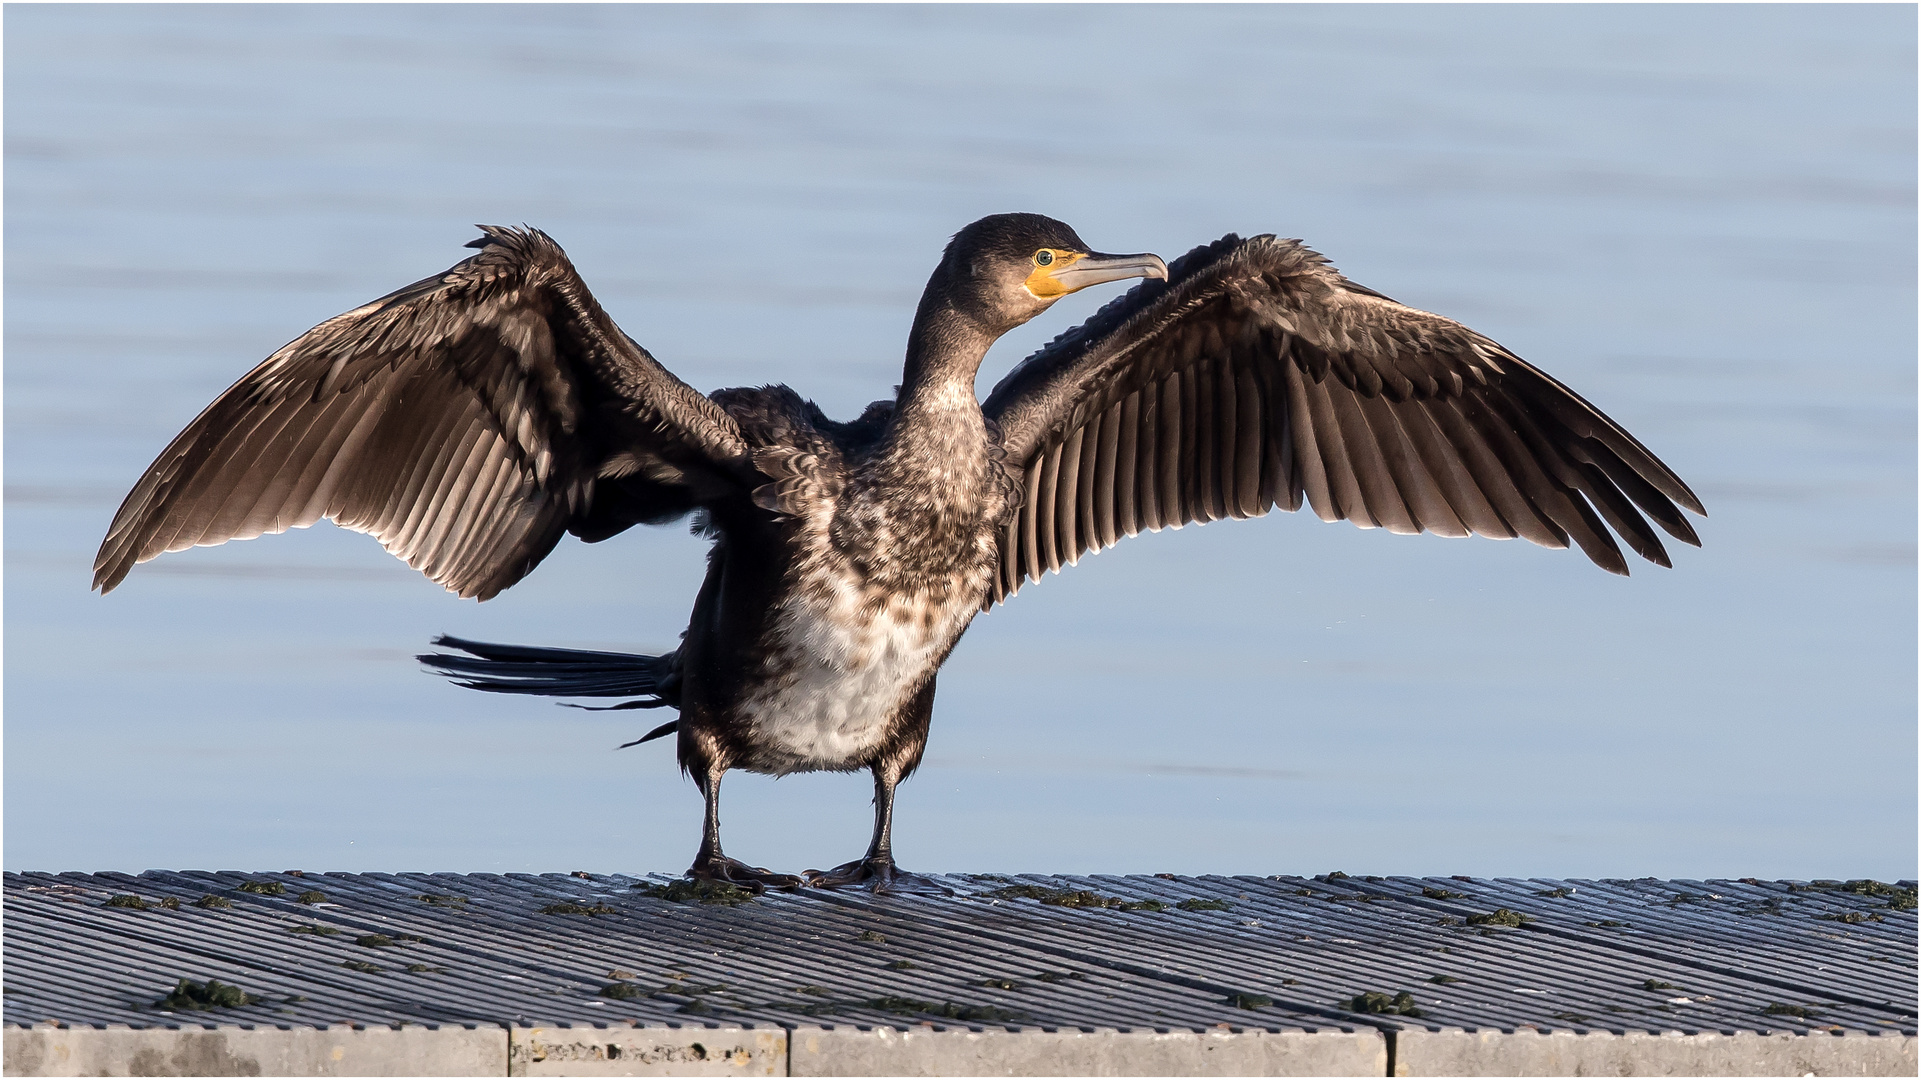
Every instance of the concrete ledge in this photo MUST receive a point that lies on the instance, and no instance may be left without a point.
(926, 1052)
(232, 1051)
(625, 1051)
(884, 1051)
(1561, 1053)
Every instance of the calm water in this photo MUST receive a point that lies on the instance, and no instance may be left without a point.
(1703, 218)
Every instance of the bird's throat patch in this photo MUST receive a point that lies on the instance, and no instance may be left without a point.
(1042, 282)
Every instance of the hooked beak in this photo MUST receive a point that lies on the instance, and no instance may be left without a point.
(1093, 269)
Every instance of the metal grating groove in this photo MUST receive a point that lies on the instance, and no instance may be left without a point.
(1615, 956)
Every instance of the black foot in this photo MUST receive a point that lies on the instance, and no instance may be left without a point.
(880, 875)
(735, 872)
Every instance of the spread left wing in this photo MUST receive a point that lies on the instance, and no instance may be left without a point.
(465, 421)
(1257, 376)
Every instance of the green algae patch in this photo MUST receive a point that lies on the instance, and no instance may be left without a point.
(1499, 917)
(212, 994)
(1401, 1004)
(1900, 897)
(361, 966)
(315, 929)
(1433, 893)
(873, 937)
(1657, 984)
(1556, 894)
(439, 899)
(311, 896)
(1195, 903)
(212, 901)
(1852, 918)
(135, 903)
(1073, 898)
(1058, 976)
(1003, 984)
(1249, 1001)
(901, 1006)
(686, 891)
(577, 909)
(622, 991)
(1801, 1012)
(263, 888)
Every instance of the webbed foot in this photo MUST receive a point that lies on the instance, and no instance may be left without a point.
(735, 872)
(880, 875)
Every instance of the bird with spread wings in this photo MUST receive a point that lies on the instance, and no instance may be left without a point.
(469, 420)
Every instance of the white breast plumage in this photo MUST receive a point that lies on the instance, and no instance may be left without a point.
(842, 663)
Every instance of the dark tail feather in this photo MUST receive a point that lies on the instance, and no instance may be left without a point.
(665, 729)
(525, 669)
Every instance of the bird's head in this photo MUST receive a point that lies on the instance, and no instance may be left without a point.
(1005, 269)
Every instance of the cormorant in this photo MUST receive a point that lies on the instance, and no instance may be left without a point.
(468, 420)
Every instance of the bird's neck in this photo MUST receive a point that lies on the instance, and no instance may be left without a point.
(944, 353)
(937, 432)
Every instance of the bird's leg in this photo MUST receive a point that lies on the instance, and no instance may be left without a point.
(877, 865)
(711, 865)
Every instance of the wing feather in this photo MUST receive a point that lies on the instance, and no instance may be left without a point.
(1216, 411)
(1045, 513)
(1470, 506)
(1332, 446)
(1104, 485)
(1305, 445)
(1248, 446)
(1370, 467)
(1067, 499)
(1126, 466)
(1149, 469)
(1418, 489)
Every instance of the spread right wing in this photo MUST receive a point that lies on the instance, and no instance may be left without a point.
(1257, 375)
(465, 421)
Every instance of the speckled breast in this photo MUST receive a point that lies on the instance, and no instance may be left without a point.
(849, 649)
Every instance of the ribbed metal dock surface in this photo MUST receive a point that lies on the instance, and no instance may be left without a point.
(1129, 954)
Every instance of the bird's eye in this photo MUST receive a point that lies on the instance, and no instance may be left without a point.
(1043, 258)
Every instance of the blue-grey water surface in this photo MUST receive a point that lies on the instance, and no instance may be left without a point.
(1702, 218)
